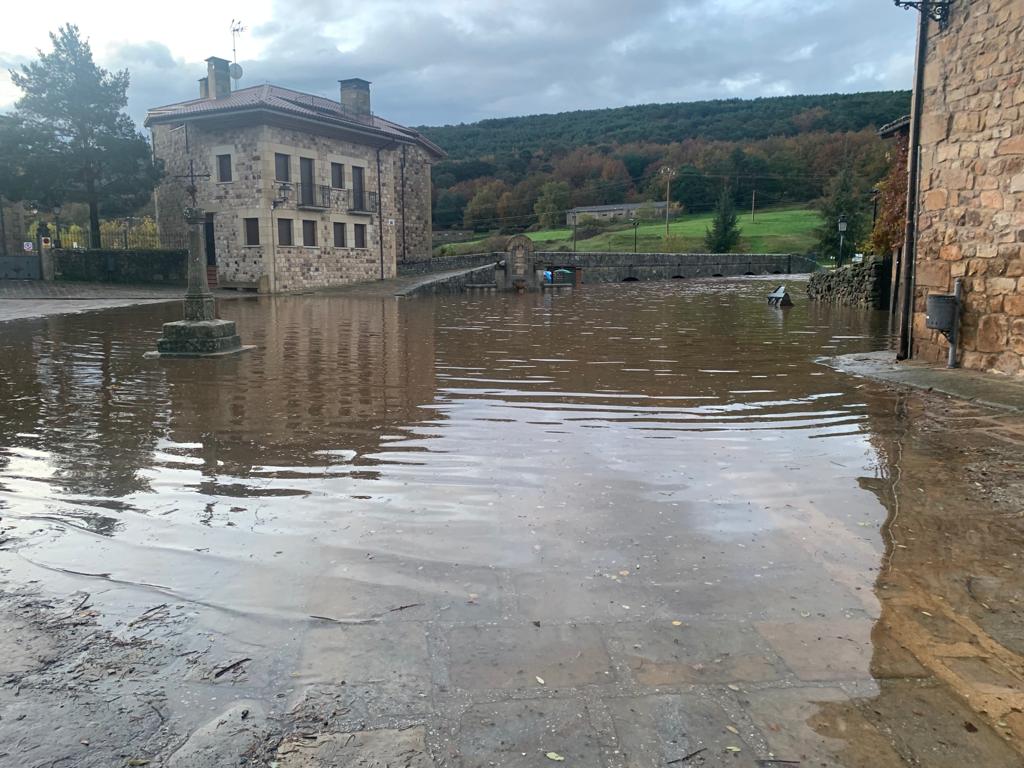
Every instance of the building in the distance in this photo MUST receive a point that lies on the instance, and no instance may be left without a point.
(970, 213)
(300, 191)
(611, 212)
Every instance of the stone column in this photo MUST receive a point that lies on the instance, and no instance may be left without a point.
(199, 301)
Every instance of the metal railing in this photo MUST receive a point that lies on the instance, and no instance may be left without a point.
(363, 202)
(314, 196)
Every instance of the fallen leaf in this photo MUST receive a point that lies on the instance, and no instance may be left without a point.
(554, 756)
(540, 680)
(732, 729)
(733, 749)
(677, 623)
(733, 687)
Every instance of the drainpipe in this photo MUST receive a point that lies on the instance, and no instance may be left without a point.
(404, 255)
(380, 217)
(913, 185)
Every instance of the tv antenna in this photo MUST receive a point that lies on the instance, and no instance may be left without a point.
(235, 69)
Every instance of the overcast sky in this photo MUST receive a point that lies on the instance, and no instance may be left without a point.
(450, 61)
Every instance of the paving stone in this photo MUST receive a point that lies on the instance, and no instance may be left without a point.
(483, 658)
(659, 730)
(384, 748)
(661, 654)
(518, 734)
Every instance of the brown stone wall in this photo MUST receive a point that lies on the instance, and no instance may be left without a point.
(971, 220)
(269, 265)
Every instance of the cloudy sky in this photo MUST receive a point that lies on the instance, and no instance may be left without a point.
(450, 61)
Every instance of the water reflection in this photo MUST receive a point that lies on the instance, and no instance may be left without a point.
(606, 462)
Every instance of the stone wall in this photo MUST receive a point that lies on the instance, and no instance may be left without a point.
(860, 285)
(132, 267)
(617, 267)
(442, 263)
(971, 223)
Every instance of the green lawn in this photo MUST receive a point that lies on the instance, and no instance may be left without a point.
(772, 231)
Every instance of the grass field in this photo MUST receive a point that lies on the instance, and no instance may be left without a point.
(772, 231)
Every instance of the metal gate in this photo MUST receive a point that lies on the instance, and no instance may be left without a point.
(20, 267)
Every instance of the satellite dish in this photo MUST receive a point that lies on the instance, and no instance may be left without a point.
(235, 70)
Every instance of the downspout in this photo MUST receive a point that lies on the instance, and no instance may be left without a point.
(380, 217)
(913, 184)
(404, 256)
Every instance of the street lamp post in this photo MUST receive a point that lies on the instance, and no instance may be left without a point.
(636, 227)
(842, 237)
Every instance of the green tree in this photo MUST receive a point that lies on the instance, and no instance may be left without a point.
(724, 233)
(552, 204)
(482, 209)
(69, 138)
(844, 197)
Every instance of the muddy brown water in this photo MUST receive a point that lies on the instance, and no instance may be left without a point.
(652, 497)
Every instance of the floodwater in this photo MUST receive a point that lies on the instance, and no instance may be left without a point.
(629, 525)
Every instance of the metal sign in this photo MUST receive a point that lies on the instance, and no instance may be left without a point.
(46, 242)
(27, 246)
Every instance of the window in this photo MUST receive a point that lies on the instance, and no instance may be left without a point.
(337, 175)
(284, 232)
(223, 167)
(252, 231)
(282, 167)
(308, 232)
(360, 235)
(340, 236)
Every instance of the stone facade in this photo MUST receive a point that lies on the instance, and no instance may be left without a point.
(859, 285)
(971, 220)
(387, 226)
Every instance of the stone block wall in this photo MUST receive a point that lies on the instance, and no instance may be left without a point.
(132, 267)
(859, 285)
(971, 222)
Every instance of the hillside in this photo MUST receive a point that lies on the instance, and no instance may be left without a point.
(522, 173)
(724, 120)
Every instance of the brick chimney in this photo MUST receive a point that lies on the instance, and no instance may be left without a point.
(204, 87)
(218, 78)
(355, 96)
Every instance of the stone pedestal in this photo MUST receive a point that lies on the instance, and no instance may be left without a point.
(200, 334)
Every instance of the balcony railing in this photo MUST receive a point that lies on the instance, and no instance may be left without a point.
(363, 202)
(316, 196)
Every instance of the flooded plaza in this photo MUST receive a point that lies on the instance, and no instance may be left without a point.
(632, 525)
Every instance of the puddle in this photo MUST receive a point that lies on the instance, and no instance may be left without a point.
(532, 487)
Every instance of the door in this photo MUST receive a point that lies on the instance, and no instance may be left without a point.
(305, 181)
(358, 201)
(211, 241)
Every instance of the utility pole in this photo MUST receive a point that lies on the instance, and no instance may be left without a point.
(669, 173)
(753, 204)
(574, 231)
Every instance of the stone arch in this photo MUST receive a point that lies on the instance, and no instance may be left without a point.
(519, 258)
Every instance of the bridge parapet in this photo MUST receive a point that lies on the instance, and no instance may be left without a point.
(619, 267)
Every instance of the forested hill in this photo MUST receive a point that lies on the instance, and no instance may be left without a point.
(724, 120)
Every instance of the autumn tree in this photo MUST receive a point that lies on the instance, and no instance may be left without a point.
(69, 138)
(482, 209)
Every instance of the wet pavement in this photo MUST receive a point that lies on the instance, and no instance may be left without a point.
(635, 525)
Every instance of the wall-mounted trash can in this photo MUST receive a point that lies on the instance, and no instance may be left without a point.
(941, 312)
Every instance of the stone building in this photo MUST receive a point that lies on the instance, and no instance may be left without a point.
(299, 191)
(971, 195)
(612, 212)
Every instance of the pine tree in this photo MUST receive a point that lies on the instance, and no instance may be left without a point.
(724, 234)
(69, 138)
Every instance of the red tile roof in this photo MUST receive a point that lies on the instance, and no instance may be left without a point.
(287, 101)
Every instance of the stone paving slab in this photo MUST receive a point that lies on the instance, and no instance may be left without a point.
(24, 299)
(987, 389)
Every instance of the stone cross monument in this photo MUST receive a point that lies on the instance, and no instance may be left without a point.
(201, 333)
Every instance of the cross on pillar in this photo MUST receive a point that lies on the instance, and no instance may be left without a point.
(192, 189)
